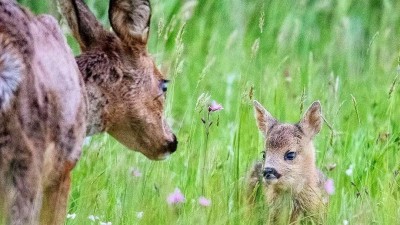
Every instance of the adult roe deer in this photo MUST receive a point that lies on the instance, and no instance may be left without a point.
(292, 185)
(49, 101)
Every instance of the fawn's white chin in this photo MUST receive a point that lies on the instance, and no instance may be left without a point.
(271, 181)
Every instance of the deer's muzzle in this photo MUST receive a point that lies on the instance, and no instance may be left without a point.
(173, 145)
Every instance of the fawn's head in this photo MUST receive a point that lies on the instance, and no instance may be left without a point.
(118, 66)
(289, 155)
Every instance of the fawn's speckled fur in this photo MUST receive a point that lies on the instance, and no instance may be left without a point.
(288, 177)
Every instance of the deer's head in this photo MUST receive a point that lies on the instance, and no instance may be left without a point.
(121, 78)
(289, 155)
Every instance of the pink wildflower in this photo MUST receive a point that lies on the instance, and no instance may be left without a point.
(136, 172)
(329, 187)
(175, 197)
(203, 201)
(215, 107)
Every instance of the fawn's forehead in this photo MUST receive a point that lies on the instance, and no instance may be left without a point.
(282, 135)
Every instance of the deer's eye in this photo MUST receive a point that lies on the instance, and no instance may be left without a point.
(164, 85)
(263, 155)
(290, 155)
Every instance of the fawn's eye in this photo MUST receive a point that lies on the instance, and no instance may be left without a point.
(164, 85)
(290, 155)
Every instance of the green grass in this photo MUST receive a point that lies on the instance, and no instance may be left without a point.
(290, 53)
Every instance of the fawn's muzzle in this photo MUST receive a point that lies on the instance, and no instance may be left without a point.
(270, 173)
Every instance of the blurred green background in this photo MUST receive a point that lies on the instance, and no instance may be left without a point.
(285, 54)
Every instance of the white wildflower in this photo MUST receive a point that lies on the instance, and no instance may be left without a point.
(71, 216)
(349, 171)
(93, 218)
(139, 215)
(105, 223)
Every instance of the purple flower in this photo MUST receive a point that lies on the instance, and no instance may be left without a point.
(329, 187)
(175, 197)
(203, 201)
(215, 107)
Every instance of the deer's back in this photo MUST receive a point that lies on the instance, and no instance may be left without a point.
(42, 108)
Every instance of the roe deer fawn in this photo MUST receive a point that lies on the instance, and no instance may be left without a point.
(49, 101)
(288, 177)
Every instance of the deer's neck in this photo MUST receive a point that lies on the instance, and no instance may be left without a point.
(96, 104)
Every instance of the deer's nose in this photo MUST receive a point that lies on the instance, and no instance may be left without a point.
(172, 145)
(270, 173)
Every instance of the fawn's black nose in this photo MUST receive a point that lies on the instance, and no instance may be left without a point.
(270, 173)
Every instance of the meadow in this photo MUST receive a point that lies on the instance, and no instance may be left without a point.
(285, 54)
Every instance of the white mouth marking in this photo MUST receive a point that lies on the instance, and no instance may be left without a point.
(271, 181)
(164, 156)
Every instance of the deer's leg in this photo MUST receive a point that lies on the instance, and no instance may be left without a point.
(55, 199)
(23, 194)
(3, 195)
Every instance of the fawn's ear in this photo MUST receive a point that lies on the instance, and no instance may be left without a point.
(84, 25)
(264, 119)
(130, 20)
(311, 122)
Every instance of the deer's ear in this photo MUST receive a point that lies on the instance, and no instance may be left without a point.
(311, 122)
(264, 119)
(84, 25)
(130, 20)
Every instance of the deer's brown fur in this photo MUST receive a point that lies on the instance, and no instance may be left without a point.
(293, 189)
(49, 101)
